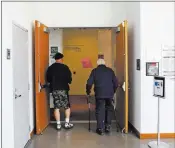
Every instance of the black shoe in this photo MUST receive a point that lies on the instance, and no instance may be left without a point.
(108, 129)
(99, 131)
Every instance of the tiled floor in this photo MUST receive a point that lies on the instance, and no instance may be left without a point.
(80, 137)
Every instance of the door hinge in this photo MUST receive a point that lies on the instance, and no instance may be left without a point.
(38, 24)
(46, 30)
(123, 24)
(117, 30)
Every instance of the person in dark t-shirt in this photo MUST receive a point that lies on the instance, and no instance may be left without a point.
(59, 77)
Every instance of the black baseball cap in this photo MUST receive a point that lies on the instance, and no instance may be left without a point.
(58, 56)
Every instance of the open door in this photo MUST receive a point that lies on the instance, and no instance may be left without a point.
(41, 65)
(122, 74)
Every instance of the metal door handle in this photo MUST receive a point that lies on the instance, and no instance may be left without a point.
(123, 86)
(43, 86)
(17, 96)
(40, 86)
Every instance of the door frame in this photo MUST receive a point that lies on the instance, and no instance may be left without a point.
(125, 23)
(126, 76)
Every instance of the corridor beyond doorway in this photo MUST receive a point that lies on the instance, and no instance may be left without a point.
(81, 45)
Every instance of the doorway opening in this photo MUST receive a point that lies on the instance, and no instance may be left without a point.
(80, 46)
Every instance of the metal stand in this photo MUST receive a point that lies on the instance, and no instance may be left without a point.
(158, 143)
(89, 116)
(114, 105)
(89, 106)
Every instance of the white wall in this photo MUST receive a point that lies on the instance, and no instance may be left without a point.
(133, 17)
(55, 39)
(0, 83)
(157, 29)
(22, 14)
(151, 25)
(80, 14)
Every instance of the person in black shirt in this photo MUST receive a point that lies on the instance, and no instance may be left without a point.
(59, 77)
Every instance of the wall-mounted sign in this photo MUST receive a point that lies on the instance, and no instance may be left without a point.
(8, 54)
(138, 64)
(159, 87)
(152, 69)
(76, 48)
(168, 62)
(54, 50)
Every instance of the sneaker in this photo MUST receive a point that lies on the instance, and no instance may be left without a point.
(68, 125)
(99, 131)
(58, 126)
(108, 129)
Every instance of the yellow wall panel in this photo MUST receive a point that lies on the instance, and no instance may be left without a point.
(105, 45)
(77, 45)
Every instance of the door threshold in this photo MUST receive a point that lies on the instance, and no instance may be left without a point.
(81, 121)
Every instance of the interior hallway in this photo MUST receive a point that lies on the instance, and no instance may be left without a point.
(80, 137)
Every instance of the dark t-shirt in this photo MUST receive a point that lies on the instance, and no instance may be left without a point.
(59, 76)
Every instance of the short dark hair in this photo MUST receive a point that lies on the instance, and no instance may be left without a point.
(58, 56)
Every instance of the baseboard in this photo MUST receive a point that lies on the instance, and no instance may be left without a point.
(150, 135)
(31, 134)
(154, 136)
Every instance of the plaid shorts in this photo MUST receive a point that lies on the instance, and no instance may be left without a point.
(61, 99)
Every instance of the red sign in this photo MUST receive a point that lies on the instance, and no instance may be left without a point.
(153, 64)
(86, 63)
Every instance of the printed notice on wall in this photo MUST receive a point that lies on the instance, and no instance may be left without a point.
(86, 63)
(168, 62)
(54, 50)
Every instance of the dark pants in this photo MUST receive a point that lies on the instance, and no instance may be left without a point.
(104, 112)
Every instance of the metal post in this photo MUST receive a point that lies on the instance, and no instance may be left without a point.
(158, 143)
(89, 116)
(158, 123)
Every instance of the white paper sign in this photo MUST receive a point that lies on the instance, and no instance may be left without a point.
(159, 83)
(168, 62)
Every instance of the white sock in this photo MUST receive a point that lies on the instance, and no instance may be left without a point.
(67, 120)
(58, 122)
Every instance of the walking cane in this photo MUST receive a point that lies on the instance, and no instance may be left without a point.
(89, 106)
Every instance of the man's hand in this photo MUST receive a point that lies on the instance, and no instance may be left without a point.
(88, 99)
(88, 93)
(88, 89)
